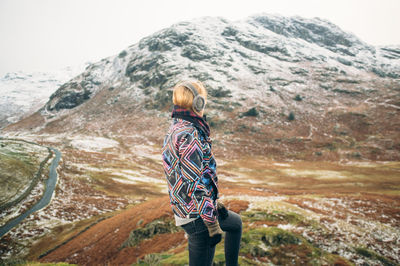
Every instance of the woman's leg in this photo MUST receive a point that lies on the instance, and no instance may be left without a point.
(232, 225)
(200, 251)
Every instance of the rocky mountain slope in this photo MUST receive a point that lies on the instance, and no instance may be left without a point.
(298, 85)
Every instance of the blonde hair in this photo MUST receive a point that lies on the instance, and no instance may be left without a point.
(183, 97)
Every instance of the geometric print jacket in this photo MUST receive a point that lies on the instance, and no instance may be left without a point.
(190, 170)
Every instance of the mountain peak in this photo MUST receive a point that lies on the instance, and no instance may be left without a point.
(316, 30)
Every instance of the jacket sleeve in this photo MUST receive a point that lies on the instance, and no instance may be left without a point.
(191, 159)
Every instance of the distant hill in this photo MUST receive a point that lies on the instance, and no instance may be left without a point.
(22, 94)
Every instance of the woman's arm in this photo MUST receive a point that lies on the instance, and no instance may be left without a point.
(191, 161)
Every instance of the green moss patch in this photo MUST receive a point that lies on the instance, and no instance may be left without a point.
(282, 247)
(275, 216)
(181, 258)
(152, 259)
(150, 230)
(374, 256)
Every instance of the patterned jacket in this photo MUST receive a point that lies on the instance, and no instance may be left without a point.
(190, 169)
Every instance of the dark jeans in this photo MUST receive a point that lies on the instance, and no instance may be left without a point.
(200, 251)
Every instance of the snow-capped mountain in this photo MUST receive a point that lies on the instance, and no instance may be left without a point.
(22, 94)
(227, 54)
(302, 77)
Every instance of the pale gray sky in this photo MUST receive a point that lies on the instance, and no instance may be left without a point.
(42, 35)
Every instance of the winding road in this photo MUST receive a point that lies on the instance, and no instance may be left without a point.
(44, 201)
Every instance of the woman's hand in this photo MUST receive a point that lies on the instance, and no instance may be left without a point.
(214, 231)
(222, 211)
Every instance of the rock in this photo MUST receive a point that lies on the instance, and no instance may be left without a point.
(219, 92)
(251, 112)
(165, 40)
(69, 96)
(71, 100)
(148, 231)
(344, 61)
(123, 54)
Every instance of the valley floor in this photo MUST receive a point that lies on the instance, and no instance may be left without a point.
(111, 201)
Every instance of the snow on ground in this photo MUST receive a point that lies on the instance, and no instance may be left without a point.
(319, 174)
(256, 202)
(131, 179)
(160, 184)
(367, 164)
(125, 176)
(288, 227)
(350, 227)
(282, 164)
(147, 151)
(239, 179)
(340, 225)
(92, 144)
(54, 138)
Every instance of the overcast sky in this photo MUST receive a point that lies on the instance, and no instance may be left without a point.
(41, 35)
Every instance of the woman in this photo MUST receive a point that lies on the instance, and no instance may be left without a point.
(190, 170)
